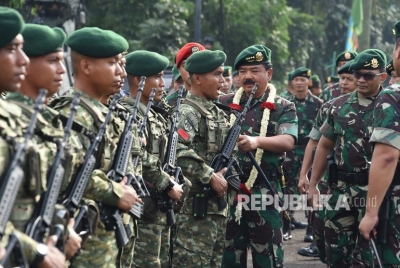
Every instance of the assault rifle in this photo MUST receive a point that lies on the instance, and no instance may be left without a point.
(11, 181)
(40, 222)
(165, 203)
(225, 158)
(77, 187)
(112, 216)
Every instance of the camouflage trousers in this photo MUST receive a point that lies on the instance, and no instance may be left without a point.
(152, 245)
(125, 255)
(390, 252)
(199, 242)
(343, 214)
(99, 250)
(259, 229)
(319, 224)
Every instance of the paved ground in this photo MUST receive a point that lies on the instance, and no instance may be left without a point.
(292, 259)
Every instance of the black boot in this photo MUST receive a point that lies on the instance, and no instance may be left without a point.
(298, 224)
(287, 233)
(309, 235)
(310, 251)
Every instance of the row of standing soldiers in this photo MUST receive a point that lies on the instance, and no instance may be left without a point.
(120, 218)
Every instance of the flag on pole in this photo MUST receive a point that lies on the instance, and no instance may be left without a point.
(355, 25)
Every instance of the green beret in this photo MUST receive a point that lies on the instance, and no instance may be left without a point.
(11, 24)
(390, 68)
(315, 80)
(253, 55)
(370, 59)
(145, 63)
(346, 56)
(302, 71)
(396, 30)
(175, 73)
(97, 43)
(227, 71)
(332, 79)
(289, 76)
(41, 39)
(205, 61)
(345, 69)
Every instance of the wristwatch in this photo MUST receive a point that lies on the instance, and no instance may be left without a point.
(41, 252)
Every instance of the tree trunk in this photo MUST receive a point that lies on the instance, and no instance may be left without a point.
(364, 39)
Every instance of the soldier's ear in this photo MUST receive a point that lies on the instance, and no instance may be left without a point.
(84, 65)
(195, 78)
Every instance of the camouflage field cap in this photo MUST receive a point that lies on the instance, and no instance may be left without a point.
(11, 24)
(345, 69)
(302, 71)
(253, 55)
(227, 71)
(346, 56)
(390, 67)
(316, 82)
(146, 63)
(97, 43)
(205, 61)
(41, 39)
(370, 59)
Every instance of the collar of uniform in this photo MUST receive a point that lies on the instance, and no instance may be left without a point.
(205, 103)
(16, 96)
(263, 98)
(93, 101)
(353, 97)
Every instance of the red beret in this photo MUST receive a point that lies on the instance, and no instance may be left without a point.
(186, 51)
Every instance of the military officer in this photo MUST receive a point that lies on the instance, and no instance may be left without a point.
(201, 128)
(153, 242)
(347, 131)
(315, 88)
(96, 60)
(269, 129)
(333, 90)
(347, 85)
(384, 171)
(228, 80)
(394, 78)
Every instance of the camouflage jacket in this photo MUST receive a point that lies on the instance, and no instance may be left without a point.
(330, 92)
(349, 125)
(196, 147)
(386, 128)
(306, 111)
(283, 120)
(100, 188)
(286, 94)
(169, 102)
(315, 134)
(154, 148)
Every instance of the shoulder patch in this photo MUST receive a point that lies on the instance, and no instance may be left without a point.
(193, 119)
(183, 134)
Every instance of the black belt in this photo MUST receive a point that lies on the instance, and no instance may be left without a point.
(302, 140)
(353, 178)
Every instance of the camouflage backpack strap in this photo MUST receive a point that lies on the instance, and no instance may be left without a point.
(211, 133)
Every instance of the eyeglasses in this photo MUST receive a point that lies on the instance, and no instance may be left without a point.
(367, 76)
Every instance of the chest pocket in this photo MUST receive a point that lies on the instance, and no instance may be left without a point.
(157, 135)
(340, 124)
(364, 124)
(272, 123)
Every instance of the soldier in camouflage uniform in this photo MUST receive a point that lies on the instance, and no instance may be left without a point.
(13, 63)
(384, 176)
(347, 130)
(202, 127)
(45, 70)
(153, 242)
(333, 91)
(226, 89)
(394, 78)
(289, 89)
(347, 84)
(261, 229)
(180, 61)
(315, 86)
(307, 106)
(97, 71)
